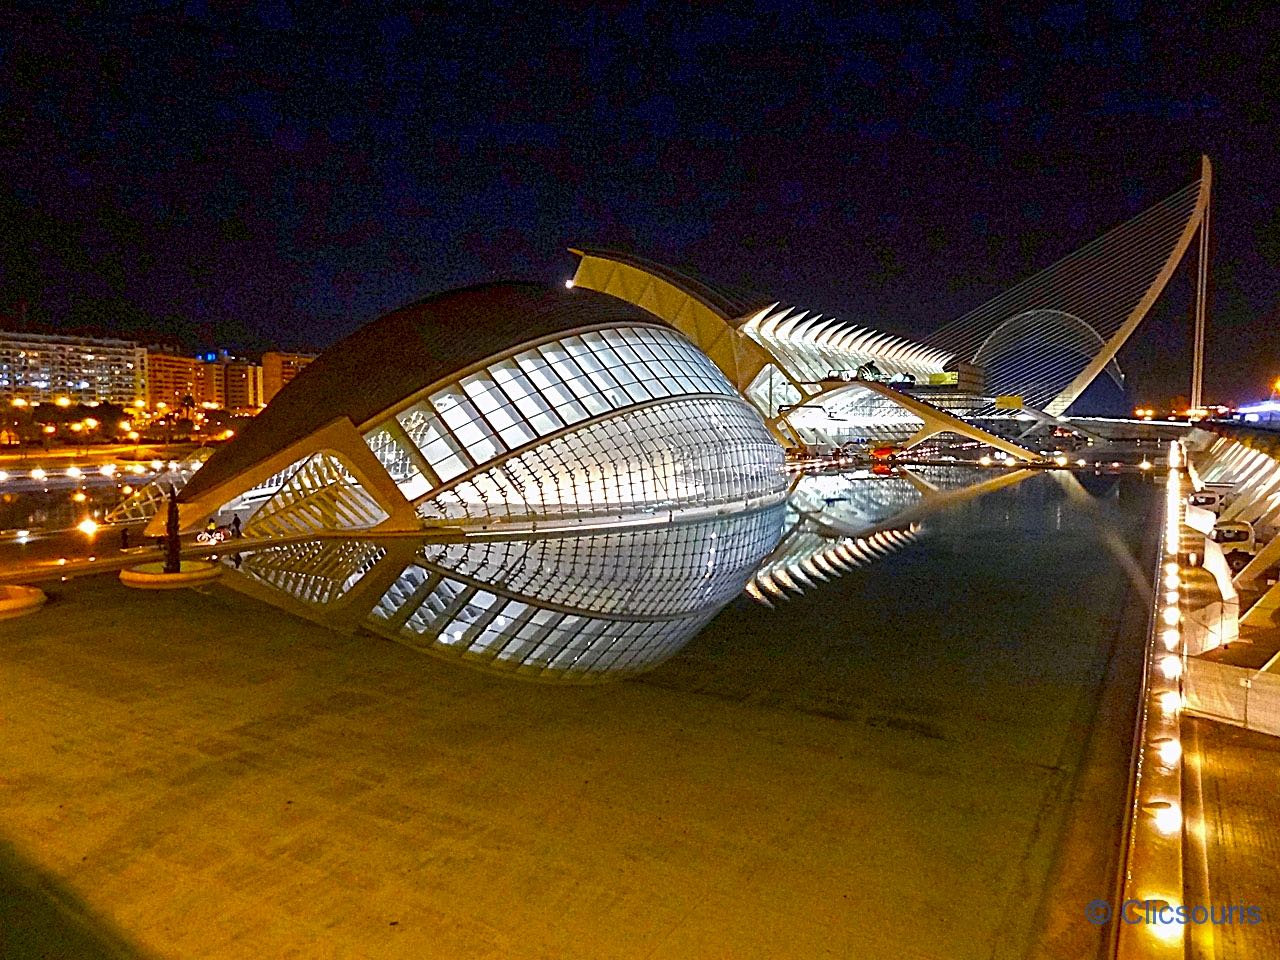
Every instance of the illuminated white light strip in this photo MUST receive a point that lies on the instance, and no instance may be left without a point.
(1152, 867)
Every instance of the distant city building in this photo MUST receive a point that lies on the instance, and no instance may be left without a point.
(278, 369)
(212, 384)
(216, 379)
(242, 386)
(43, 367)
(172, 378)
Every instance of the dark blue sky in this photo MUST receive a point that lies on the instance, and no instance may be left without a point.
(257, 174)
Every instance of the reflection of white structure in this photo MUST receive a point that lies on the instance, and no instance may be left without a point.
(505, 404)
(836, 523)
(148, 500)
(575, 609)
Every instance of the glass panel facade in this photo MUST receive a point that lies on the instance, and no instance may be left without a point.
(575, 607)
(694, 449)
(700, 451)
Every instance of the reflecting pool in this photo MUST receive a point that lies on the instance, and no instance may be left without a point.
(565, 608)
(604, 604)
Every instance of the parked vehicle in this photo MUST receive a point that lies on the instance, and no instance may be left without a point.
(1238, 541)
(1208, 499)
(217, 535)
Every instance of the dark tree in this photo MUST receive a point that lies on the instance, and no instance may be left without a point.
(172, 544)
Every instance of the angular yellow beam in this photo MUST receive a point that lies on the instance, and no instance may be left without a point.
(935, 419)
(741, 359)
(738, 356)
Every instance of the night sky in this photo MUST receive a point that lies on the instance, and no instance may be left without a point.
(265, 174)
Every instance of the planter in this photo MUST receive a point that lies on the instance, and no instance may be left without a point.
(151, 576)
(16, 601)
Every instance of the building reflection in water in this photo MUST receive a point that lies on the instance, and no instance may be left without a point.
(837, 522)
(602, 605)
(575, 609)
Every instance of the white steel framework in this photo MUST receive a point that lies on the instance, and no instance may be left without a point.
(1054, 333)
(563, 609)
(784, 361)
(618, 421)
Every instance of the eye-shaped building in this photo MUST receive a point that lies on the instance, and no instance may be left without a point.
(503, 404)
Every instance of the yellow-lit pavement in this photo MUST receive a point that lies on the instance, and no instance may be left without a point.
(1234, 778)
(852, 775)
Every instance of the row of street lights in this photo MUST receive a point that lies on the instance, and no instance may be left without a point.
(1153, 875)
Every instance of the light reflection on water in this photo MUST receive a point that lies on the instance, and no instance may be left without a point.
(568, 608)
(56, 505)
(602, 605)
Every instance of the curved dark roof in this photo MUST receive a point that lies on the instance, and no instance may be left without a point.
(397, 355)
(730, 302)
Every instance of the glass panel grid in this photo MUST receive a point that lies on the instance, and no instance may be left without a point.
(696, 452)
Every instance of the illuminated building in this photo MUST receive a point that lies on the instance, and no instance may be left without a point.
(171, 379)
(40, 367)
(241, 386)
(504, 404)
(278, 369)
(1027, 355)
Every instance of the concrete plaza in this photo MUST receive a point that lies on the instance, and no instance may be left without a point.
(192, 774)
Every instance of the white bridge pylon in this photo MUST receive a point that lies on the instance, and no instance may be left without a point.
(1037, 339)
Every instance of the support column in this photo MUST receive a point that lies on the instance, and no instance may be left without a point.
(1202, 292)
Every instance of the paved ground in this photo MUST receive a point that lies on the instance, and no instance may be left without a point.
(1234, 813)
(883, 768)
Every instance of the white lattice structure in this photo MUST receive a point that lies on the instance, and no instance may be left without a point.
(504, 404)
(562, 609)
(812, 347)
(147, 500)
(1043, 341)
(795, 367)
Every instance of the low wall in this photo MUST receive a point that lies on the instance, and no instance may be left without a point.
(1237, 695)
